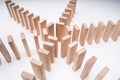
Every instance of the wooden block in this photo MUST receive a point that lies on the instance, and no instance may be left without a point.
(83, 34)
(72, 7)
(50, 28)
(78, 59)
(67, 14)
(11, 10)
(65, 41)
(116, 31)
(13, 47)
(38, 69)
(8, 2)
(88, 66)
(67, 30)
(14, 13)
(100, 30)
(55, 41)
(45, 34)
(15, 8)
(69, 10)
(27, 76)
(44, 57)
(72, 47)
(108, 30)
(60, 27)
(25, 21)
(20, 11)
(74, 2)
(5, 52)
(50, 47)
(36, 20)
(102, 73)
(75, 33)
(90, 35)
(24, 41)
(63, 19)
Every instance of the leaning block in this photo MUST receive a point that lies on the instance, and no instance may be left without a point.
(20, 11)
(50, 28)
(15, 8)
(11, 10)
(36, 20)
(67, 14)
(7, 2)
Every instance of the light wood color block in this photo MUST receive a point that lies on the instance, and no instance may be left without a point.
(5, 52)
(102, 73)
(15, 11)
(7, 2)
(116, 31)
(50, 47)
(67, 14)
(78, 59)
(44, 57)
(64, 44)
(72, 7)
(63, 19)
(88, 67)
(72, 47)
(75, 33)
(74, 3)
(50, 28)
(45, 34)
(108, 30)
(36, 20)
(83, 34)
(67, 30)
(27, 76)
(20, 11)
(24, 41)
(69, 10)
(90, 34)
(25, 21)
(38, 69)
(60, 28)
(11, 10)
(55, 41)
(99, 33)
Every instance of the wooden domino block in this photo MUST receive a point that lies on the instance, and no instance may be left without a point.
(90, 35)
(102, 73)
(24, 41)
(65, 41)
(75, 33)
(50, 28)
(7, 2)
(27, 76)
(50, 47)
(15, 8)
(44, 57)
(69, 10)
(72, 7)
(116, 31)
(25, 21)
(45, 34)
(36, 20)
(63, 19)
(67, 14)
(55, 41)
(67, 30)
(71, 49)
(74, 3)
(20, 11)
(13, 47)
(108, 30)
(5, 52)
(38, 69)
(11, 10)
(88, 66)
(78, 59)
(83, 34)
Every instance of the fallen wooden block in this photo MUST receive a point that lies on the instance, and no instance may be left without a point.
(36, 20)
(83, 34)
(13, 47)
(38, 69)
(78, 59)
(64, 44)
(72, 7)
(27, 76)
(50, 28)
(88, 66)
(11, 10)
(44, 57)
(69, 10)
(45, 34)
(20, 11)
(24, 41)
(108, 30)
(25, 21)
(15, 8)
(5, 52)
(72, 47)
(63, 19)
(67, 14)
(55, 41)
(7, 2)
(102, 73)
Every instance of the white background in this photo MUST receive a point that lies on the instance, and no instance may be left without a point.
(87, 11)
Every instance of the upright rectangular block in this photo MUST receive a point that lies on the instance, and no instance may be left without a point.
(50, 28)
(25, 21)
(7, 2)
(45, 34)
(44, 57)
(72, 7)
(20, 11)
(67, 30)
(69, 10)
(67, 14)
(74, 3)
(5, 52)
(78, 59)
(63, 19)
(88, 66)
(72, 47)
(38, 69)
(11, 10)
(15, 11)
(36, 20)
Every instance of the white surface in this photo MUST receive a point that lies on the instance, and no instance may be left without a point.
(87, 11)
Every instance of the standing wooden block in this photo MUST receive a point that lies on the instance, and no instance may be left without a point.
(5, 52)
(75, 33)
(72, 7)
(13, 47)
(116, 31)
(24, 41)
(15, 8)
(102, 73)
(27, 76)
(7, 2)
(65, 41)
(63, 19)
(25, 21)
(67, 14)
(20, 11)
(78, 59)
(50, 28)
(88, 66)
(108, 30)
(50, 47)
(67, 30)
(44, 57)
(90, 35)
(72, 47)
(38, 69)
(83, 34)
(11, 10)
(60, 27)
(100, 30)
(69, 10)
(36, 20)
(55, 41)
(74, 3)
(45, 34)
